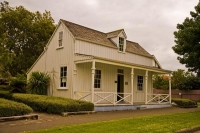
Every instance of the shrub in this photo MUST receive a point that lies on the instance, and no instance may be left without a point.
(18, 84)
(11, 108)
(184, 103)
(5, 87)
(3, 81)
(49, 104)
(6, 94)
(38, 83)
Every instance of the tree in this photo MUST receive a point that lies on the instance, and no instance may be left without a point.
(161, 82)
(187, 40)
(23, 34)
(5, 59)
(180, 79)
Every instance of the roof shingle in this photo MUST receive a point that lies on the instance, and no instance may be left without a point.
(92, 35)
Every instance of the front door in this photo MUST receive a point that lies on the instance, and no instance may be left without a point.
(120, 86)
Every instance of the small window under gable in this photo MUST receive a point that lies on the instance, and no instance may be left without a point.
(121, 44)
(60, 40)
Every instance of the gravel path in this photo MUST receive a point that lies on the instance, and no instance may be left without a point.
(49, 121)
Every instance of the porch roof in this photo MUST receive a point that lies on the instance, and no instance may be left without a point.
(88, 58)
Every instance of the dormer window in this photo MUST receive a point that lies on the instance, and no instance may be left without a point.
(121, 44)
(60, 38)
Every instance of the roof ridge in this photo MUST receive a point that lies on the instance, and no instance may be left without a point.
(132, 41)
(114, 31)
(82, 26)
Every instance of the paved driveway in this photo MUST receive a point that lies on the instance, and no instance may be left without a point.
(49, 121)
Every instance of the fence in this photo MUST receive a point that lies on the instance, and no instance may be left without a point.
(186, 94)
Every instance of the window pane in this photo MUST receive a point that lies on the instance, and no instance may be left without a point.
(63, 76)
(140, 83)
(60, 43)
(97, 79)
(60, 35)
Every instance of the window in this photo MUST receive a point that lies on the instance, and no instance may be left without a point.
(121, 44)
(140, 83)
(63, 76)
(97, 79)
(60, 39)
(120, 71)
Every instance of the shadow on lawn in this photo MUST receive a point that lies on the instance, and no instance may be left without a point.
(193, 130)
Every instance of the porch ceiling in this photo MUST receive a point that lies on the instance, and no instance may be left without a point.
(122, 64)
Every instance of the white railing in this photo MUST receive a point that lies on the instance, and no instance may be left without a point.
(114, 98)
(104, 98)
(82, 95)
(157, 98)
(124, 97)
(110, 98)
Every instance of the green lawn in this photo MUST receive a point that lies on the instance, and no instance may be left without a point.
(150, 124)
(199, 104)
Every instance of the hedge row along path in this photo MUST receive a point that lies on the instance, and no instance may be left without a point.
(48, 121)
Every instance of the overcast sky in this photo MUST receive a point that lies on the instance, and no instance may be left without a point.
(151, 23)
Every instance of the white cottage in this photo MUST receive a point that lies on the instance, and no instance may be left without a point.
(103, 68)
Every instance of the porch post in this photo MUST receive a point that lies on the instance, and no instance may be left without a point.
(92, 84)
(146, 85)
(132, 78)
(74, 80)
(170, 93)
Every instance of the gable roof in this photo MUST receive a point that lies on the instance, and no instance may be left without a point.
(114, 33)
(82, 32)
(134, 47)
(85, 33)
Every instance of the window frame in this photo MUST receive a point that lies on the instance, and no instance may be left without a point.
(121, 44)
(63, 76)
(60, 39)
(97, 79)
(140, 85)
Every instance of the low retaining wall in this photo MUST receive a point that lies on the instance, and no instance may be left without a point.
(186, 94)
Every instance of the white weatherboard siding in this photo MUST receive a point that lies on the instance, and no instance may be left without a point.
(87, 48)
(109, 76)
(54, 58)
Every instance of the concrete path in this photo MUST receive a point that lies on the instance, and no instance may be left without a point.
(48, 121)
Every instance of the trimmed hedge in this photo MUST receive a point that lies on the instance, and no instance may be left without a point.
(185, 103)
(11, 108)
(49, 104)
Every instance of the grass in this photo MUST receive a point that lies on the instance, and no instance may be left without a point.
(150, 124)
(198, 104)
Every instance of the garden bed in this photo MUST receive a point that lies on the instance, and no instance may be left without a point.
(11, 108)
(184, 103)
(49, 104)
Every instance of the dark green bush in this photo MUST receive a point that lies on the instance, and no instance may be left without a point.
(18, 84)
(11, 108)
(38, 83)
(5, 87)
(49, 104)
(5, 94)
(184, 103)
(4, 81)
